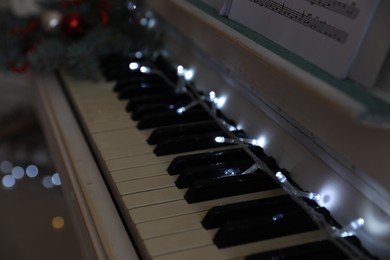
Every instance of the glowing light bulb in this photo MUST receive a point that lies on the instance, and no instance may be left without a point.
(183, 109)
(180, 70)
(189, 74)
(133, 65)
(280, 176)
(277, 217)
(17, 172)
(309, 195)
(143, 21)
(220, 139)
(32, 171)
(249, 141)
(58, 222)
(145, 69)
(138, 55)
(351, 228)
(8, 181)
(212, 95)
(180, 110)
(55, 179)
(220, 102)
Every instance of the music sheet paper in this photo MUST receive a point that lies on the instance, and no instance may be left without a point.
(327, 33)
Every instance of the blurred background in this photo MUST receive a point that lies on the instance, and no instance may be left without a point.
(34, 220)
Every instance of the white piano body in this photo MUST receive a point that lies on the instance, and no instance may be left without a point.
(308, 125)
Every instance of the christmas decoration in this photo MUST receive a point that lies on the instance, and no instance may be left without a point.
(50, 20)
(73, 24)
(73, 34)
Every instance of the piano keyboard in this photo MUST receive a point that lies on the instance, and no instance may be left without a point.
(163, 224)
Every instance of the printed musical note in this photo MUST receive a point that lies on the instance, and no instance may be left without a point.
(348, 10)
(307, 20)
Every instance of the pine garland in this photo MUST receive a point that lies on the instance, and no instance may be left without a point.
(25, 45)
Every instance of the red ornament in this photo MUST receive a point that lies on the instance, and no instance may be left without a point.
(73, 24)
(103, 13)
(104, 17)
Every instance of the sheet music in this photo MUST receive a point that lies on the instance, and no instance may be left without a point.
(327, 33)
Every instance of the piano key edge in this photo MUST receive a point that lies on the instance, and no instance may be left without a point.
(99, 228)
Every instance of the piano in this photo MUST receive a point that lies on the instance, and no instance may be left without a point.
(304, 137)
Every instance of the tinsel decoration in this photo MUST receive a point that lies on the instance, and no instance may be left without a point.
(74, 35)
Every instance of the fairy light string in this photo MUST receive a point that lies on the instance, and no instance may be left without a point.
(335, 234)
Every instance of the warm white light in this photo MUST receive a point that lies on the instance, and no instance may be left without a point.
(281, 177)
(55, 179)
(32, 171)
(145, 69)
(17, 172)
(58, 222)
(8, 181)
(133, 65)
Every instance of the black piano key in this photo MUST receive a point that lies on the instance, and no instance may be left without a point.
(143, 99)
(172, 118)
(144, 88)
(187, 143)
(141, 110)
(190, 175)
(187, 129)
(218, 215)
(229, 186)
(180, 163)
(166, 67)
(316, 250)
(120, 60)
(126, 75)
(266, 227)
(137, 79)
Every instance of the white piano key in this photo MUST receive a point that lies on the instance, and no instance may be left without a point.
(145, 184)
(139, 172)
(171, 225)
(142, 199)
(181, 207)
(238, 252)
(179, 242)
